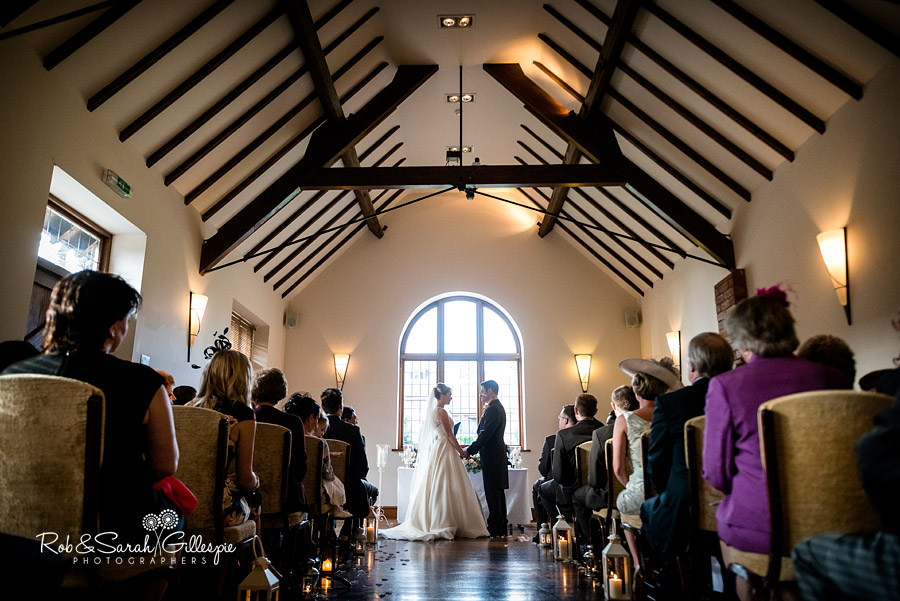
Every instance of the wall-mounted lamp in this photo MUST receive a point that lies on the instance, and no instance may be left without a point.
(833, 245)
(198, 308)
(341, 361)
(583, 363)
(674, 341)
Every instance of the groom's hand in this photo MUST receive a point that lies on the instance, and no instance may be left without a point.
(465, 454)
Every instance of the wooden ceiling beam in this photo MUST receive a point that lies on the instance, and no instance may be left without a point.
(774, 94)
(199, 75)
(302, 22)
(695, 86)
(93, 29)
(691, 153)
(868, 28)
(328, 143)
(788, 46)
(478, 176)
(13, 9)
(668, 206)
(155, 55)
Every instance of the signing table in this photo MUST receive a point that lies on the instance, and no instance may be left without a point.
(518, 495)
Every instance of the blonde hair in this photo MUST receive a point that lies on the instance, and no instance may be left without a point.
(225, 380)
(648, 387)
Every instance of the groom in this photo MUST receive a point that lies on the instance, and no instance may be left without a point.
(493, 457)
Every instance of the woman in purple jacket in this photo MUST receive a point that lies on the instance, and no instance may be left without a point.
(762, 329)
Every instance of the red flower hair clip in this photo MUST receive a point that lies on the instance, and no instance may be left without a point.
(775, 293)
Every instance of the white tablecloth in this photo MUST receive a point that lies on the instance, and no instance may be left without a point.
(518, 495)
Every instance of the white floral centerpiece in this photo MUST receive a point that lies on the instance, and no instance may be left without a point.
(473, 464)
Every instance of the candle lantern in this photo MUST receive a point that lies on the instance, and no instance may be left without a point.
(261, 584)
(329, 558)
(562, 539)
(309, 581)
(359, 542)
(371, 524)
(408, 455)
(617, 569)
(590, 564)
(544, 535)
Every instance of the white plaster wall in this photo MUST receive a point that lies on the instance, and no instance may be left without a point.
(847, 177)
(359, 305)
(44, 122)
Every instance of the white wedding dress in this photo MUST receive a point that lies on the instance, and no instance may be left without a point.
(442, 503)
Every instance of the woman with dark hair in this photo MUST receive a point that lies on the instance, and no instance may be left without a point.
(442, 501)
(225, 387)
(762, 329)
(86, 321)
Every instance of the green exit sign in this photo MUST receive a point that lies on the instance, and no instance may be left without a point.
(119, 185)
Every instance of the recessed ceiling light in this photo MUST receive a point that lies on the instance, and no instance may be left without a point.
(456, 149)
(454, 98)
(466, 21)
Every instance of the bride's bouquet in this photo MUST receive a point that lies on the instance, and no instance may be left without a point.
(473, 464)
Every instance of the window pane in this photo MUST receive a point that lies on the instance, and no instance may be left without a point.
(459, 327)
(498, 338)
(67, 244)
(506, 374)
(462, 377)
(241, 335)
(423, 336)
(419, 377)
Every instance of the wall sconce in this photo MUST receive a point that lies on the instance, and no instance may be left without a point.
(341, 361)
(674, 341)
(198, 308)
(583, 363)
(833, 245)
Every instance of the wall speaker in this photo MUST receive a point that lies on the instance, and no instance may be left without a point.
(291, 320)
(632, 319)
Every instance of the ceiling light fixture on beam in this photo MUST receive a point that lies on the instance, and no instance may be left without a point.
(447, 21)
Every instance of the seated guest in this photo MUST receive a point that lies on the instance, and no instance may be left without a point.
(649, 379)
(269, 387)
(170, 382)
(86, 321)
(556, 493)
(593, 495)
(565, 419)
(832, 351)
(349, 416)
(360, 493)
(861, 566)
(225, 387)
(762, 329)
(665, 516)
(309, 413)
(184, 394)
(13, 351)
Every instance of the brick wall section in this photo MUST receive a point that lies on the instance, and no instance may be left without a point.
(729, 292)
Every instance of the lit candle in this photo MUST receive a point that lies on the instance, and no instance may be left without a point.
(382, 456)
(325, 583)
(615, 587)
(370, 533)
(326, 565)
(563, 548)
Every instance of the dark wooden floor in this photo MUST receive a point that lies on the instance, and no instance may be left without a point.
(463, 570)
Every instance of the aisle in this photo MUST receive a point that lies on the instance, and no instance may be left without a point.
(463, 570)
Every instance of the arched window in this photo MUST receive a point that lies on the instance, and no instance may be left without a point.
(461, 341)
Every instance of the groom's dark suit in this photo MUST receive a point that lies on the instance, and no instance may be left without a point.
(492, 448)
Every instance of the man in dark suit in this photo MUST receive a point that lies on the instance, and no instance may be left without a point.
(665, 516)
(492, 448)
(360, 493)
(593, 495)
(565, 419)
(556, 493)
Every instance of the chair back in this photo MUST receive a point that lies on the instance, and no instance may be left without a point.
(807, 443)
(202, 436)
(312, 482)
(340, 457)
(51, 447)
(271, 462)
(704, 498)
(613, 486)
(582, 461)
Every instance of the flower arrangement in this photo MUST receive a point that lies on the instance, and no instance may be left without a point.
(473, 464)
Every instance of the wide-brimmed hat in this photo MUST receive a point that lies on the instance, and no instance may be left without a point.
(664, 370)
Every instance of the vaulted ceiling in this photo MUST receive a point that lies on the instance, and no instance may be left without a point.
(638, 130)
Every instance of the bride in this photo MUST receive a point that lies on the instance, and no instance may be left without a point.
(443, 502)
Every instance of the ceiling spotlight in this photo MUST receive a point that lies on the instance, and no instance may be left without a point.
(452, 98)
(467, 21)
(456, 149)
(467, 98)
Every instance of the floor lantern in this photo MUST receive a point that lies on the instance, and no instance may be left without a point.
(617, 569)
(544, 535)
(562, 539)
